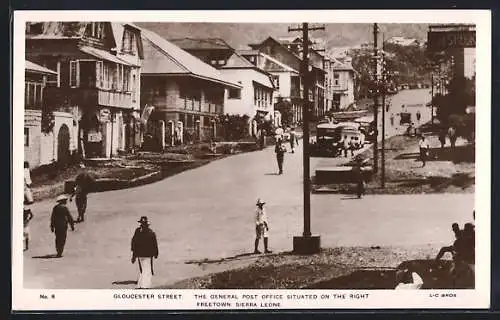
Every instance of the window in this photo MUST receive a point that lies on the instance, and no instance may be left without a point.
(96, 30)
(126, 79)
(134, 89)
(221, 62)
(276, 81)
(74, 74)
(33, 94)
(213, 62)
(129, 42)
(26, 137)
(53, 79)
(206, 121)
(189, 123)
(234, 94)
(336, 77)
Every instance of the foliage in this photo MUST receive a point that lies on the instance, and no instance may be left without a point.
(235, 127)
(406, 64)
(461, 94)
(285, 108)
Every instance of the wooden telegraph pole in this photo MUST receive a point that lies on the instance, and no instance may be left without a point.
(383, 88)
(306, 244)
(375, 96)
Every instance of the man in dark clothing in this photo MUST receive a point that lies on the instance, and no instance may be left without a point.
(358, 176)
(59, 223)
(144, 247)
(83, 185)
(280, 150)
(451, 249)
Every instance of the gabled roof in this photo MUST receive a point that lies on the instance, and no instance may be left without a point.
(201, 43)
(247, 52)
(237, 61)
(272, 64)
(35, 68)
(170, 59)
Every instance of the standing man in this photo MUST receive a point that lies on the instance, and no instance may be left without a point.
(144, 247)
(358, 177)
(293, 140)
(392, 119)
(419, 115)
(59, 223)
(280, 150)
(27, 216)
(452, 134)
(261, 227)
(28, 194)
(424, 149)
(83, 184)
(442, 138)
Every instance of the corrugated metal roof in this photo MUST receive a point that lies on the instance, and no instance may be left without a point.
(102, 54)
(237, 61)
(173, 60)
(33, 67)
(200, 43)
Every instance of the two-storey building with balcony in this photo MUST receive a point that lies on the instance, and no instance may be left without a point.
(186, 93)
(97, 81)
(342, 83)
(52, 139)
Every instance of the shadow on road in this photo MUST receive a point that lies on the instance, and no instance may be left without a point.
(47, 256)
(242, 256)
(271, 174)
(350, 198)
(124, 282)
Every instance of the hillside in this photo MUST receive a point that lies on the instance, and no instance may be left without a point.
(239, 35)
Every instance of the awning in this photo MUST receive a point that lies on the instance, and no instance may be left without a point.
(104, 55)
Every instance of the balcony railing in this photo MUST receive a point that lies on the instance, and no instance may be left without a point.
(90, 96)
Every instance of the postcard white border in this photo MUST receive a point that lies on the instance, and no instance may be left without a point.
(29, 299)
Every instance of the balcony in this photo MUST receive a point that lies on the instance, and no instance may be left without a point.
(88, 96)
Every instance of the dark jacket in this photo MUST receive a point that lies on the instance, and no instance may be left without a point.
(84, 182)
(61, 218)
(280, 150)
(144, 243)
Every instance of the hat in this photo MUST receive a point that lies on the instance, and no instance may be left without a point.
(61, 197)
(259, 202)
(143, 220)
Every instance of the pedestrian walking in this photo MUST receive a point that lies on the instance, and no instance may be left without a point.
(280, 151)
(59, 223)
(358, 177)
(442, 138)
(28, 194)
(418, 115)
(392, 119)
(346, 146)
(261, 227)
(452, 135)
(27, 216)
(352, 146)
(424, 149)
(262, 138)
(83, 185)
(144, 247)
(293, 140)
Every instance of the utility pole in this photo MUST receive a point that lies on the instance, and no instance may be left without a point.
(383, 87)
(432, 97)
(307, 244)
(375, 96)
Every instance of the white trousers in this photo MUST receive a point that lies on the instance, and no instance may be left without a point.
(145, 274)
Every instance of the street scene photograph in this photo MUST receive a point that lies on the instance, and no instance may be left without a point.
(176, 155)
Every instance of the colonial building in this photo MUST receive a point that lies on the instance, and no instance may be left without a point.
(290, 56)
(256, 99)
(286, 81)
(185, 95)
(342, 83)
(54, 138)
(97, 81)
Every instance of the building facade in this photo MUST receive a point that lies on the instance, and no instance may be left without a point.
(342, 84)
(256, 99)
(97, 81)
(186, 94)
(42, 145)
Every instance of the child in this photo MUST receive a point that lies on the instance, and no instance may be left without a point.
(28, 215)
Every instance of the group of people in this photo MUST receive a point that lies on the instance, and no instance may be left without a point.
(144, 245)
(462, 250)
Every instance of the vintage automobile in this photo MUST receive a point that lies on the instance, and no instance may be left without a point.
(329, 137)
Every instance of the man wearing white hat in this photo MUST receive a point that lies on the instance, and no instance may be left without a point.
(261, 227)
(59, 223)
(144, 247)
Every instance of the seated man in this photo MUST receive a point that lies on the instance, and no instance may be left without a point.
(451, 249)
